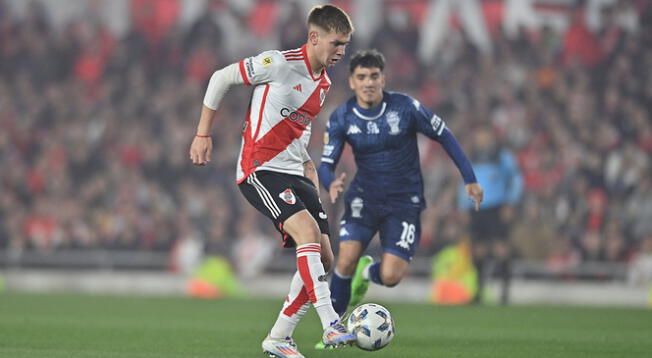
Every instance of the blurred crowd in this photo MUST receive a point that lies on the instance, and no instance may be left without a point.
(95, 130)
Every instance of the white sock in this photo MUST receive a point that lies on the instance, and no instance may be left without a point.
(295, 306)
(314, 279)
(365, 272)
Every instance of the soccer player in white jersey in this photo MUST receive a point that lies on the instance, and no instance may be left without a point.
(274, 170)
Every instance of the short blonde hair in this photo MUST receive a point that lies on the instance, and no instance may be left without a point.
(330, 18)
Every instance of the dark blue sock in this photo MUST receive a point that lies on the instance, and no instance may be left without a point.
(374, 273)
(340, 292)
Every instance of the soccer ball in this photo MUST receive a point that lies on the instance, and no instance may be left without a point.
(373, 325)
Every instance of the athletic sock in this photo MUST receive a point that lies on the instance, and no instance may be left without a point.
(295, 306)
(373, 273)
(314, 279)
(340, 292)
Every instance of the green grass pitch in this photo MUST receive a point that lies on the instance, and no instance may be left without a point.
(72, 326)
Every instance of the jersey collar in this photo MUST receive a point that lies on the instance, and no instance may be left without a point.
(304, 51)
(371, 113)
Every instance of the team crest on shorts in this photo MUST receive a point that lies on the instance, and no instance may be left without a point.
(288, 196)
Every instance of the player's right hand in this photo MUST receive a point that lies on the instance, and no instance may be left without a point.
(475, 192)
(200, 150)
(337, 186)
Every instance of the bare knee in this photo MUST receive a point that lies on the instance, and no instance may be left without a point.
(302, 228)
(310, 234)
(391, 278)
(348, 256)
(346, 264)
(392, 270)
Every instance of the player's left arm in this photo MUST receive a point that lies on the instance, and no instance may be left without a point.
(434, 127)
(334, 139)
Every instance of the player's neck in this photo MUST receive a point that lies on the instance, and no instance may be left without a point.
(369, 105)
(315, 66)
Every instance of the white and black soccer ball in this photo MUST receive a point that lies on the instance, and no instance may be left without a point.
(373, 325)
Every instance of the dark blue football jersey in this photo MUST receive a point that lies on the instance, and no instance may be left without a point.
(384, 143)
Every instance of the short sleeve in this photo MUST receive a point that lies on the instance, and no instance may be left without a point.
(264, 68)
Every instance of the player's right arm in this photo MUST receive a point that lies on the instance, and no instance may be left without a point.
(334, 139)
(221, 81)
(434, 127)
(255, 70)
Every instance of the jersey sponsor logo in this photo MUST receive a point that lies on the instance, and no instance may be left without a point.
(267, 61)
(295, 116)
(353, 129)
(356, 207)
(326, 137)
(297, 87)
(372, 128)
(321, 278)
(288, 196)
(393, 121)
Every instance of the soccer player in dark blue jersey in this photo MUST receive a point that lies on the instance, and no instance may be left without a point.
(386, 195)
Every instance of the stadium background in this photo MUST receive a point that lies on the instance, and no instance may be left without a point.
(99, 101)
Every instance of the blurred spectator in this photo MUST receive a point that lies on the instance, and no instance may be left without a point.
(580, 44)
(94, 125)
(533, 236)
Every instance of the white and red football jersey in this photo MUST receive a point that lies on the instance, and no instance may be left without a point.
(286, 99)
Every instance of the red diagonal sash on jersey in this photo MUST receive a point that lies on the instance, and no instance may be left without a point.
(281, 135)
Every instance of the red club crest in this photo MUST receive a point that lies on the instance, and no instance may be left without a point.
(288, 196)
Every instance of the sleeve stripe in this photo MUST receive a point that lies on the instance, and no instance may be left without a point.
(289, 52)
(327, 160)
(243, 73)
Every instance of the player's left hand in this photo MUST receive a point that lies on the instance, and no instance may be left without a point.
(474, 192)
(337, 186)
